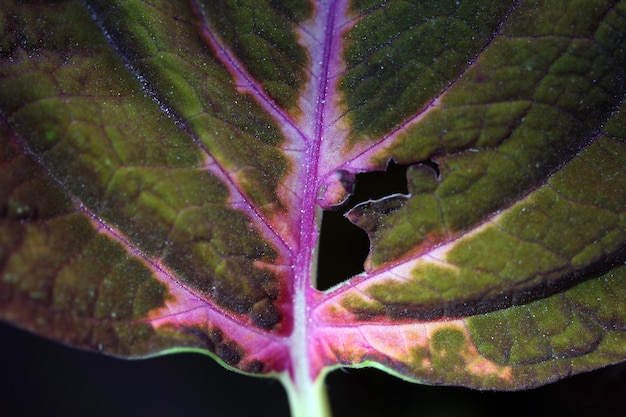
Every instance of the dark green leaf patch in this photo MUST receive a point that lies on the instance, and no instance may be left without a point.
(573, 224)
(565, 333)
(165, 46)
(524, 100)
(261, 35)
(58, 276)
(401, 55)
(112, 148)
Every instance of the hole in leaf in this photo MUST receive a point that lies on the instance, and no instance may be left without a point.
(342, 251)
(344, 246)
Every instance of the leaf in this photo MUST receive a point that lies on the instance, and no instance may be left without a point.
(165, 167)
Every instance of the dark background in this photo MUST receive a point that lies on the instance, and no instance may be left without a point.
(39, 378)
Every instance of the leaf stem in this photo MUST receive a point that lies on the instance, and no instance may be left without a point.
(310, 400)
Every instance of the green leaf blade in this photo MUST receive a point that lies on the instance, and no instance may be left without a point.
(117, 163)
(164, 168)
